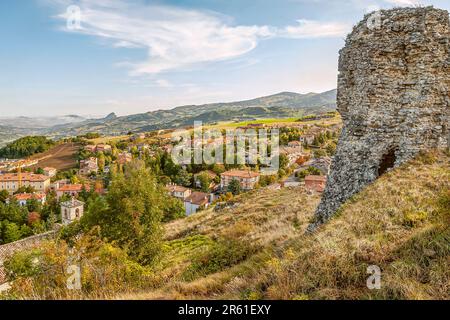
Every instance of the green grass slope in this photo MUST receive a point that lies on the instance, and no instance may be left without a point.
(259, 250)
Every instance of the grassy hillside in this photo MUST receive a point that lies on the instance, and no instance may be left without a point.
(257, 248)
(401, 223)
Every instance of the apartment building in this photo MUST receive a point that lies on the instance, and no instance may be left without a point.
(247, 179)
(11, 182)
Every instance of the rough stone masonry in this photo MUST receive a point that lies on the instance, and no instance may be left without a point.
(393, 96)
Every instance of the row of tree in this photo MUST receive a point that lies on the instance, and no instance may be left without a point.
(26, 146)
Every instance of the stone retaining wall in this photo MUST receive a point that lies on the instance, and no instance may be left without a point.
(9, 249)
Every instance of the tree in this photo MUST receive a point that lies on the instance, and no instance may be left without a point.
(11, 232)
(218, 168)
(205, 181)
(173, 210)
(101, 161)
(131, 213)
(183, 178)
(319, 153)
(307, 172)
(234, 187)
(27, 189)
(4, 195)
(331, 148)
(74, 180)
(284, 161)
(34, 205)
(33, 217)
(282, 173)
(26, 146)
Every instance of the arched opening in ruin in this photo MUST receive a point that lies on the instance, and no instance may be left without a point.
(387, 161)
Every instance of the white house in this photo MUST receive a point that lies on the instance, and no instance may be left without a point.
(196, 201)
(23, 198)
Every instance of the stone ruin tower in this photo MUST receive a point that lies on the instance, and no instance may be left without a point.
(393, 96)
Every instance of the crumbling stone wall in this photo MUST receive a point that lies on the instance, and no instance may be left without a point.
(393, 95)
(8, 250)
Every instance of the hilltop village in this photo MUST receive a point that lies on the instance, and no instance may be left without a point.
(94, 216)
(36, 197)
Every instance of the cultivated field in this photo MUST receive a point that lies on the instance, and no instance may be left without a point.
(61, 157)
(282, 122)
(109, 139)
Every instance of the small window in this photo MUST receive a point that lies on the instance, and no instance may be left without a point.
(387, 161)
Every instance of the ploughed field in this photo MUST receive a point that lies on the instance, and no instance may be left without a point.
(60, 157)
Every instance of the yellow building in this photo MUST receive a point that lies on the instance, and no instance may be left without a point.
(11, 182)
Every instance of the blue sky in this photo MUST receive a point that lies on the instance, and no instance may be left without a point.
(137, 56)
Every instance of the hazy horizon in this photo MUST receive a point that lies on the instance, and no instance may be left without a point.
(93, 116)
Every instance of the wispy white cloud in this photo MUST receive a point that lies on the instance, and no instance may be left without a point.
(403, 2)
(177, 38)
(316, 29)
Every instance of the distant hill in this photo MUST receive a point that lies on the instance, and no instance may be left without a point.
(281, 105)
(40, 122)
(285, 104)
(12, 128)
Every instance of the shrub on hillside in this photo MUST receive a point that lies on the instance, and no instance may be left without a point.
(223, 254)
(45, 273)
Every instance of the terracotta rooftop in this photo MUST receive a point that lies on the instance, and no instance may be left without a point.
(290, 150)
(29, 196)
(316, 178)
(24, 177)
(198, 198)
(241, 174)
(176, 188)
(72, 187)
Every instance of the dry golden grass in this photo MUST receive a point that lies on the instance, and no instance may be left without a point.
(262, 216)
(400, 223)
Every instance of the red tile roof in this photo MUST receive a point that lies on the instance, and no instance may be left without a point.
(24, 177)
(241, 174)
(29, 196)
(316, 178)
(175, 188)
(198, 198)
(72, 188)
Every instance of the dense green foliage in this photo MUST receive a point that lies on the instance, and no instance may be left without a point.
(222, 254)
(26, 146)
(18, 222)
(234, 187)
(310, 171)
(131, 214)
